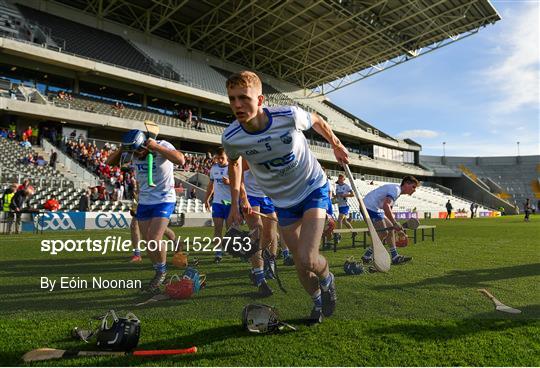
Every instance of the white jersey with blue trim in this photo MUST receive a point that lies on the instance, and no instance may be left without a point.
(163, 175)
(222, 191)
(252, 187)
(342, 189)
(279, 155)
(374, 200)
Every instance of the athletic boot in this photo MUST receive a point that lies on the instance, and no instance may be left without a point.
(269, 265)
(252, 278)
(327, 246)
(329, 298)
(366, 260)
(288, 261)
(155, 283)
(401, 259)
(218, 259)
(316, 316)
(135, 259)
(264, 290)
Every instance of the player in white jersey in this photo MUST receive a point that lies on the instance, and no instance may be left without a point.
(156, 204)
(272, 142)
(221, 202)
(343, 191)
(379, 204)
(134, 227)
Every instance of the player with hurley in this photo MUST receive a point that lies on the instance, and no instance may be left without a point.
(157, 197)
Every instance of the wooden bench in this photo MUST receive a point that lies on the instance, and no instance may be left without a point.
(424, 235)
(365, 232)
(354, 233)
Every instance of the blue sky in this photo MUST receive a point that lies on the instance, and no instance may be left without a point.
(480, 95)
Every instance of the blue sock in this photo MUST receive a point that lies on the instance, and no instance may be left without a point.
(317, 299)
(219, 253)
(285, 253)
(393, 252)
(325, 281)
(160, 267)
(368, 253)
(137, 252)
(259, 275)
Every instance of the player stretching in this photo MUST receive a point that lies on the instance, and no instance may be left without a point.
(272, 142)
(156, 204)
(134, 227)
(221, 203)
(267, 229)
(379, 204)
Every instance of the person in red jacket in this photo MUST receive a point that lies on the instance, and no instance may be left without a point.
(52, 204)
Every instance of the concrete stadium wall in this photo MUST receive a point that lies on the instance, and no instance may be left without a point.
(469, 189)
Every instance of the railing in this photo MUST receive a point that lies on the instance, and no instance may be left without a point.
(8, 177)
(86, 176)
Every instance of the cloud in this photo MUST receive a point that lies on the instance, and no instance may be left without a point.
(514, 77)
(418, 133)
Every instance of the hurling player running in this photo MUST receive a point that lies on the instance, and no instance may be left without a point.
(272, 142)
(221, 203)
(379, 204)
(156, 204)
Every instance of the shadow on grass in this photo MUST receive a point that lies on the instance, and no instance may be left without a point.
(472, 278)
(445, 330)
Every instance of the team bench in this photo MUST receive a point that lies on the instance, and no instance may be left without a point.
(365, 231)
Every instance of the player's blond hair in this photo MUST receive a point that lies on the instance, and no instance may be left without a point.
(244, 79)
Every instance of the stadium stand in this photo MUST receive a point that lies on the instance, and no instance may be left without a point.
(194, 73)
(88, 42)
(511, 178)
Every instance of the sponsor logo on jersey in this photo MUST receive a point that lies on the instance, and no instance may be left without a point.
(265, 139)
(278, 161)
(286, 138)
(251, 152)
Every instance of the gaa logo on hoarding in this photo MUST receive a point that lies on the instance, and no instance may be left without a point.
(111, 221)
(54, 221)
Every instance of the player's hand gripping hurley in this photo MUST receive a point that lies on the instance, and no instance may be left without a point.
(381, 258)
(153, 131)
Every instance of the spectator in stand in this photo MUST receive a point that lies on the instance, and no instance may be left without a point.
(12, 135)
(94, 195)
(103, 195)
(53, 158)
(25, 184)
(28, 160)
(3, 133)
(28, 133)
(84, 201)
(189, 116)
(52, 204)
(193, 193)
(118, 193)
(16, 206)
(25, 143)
(40, 161)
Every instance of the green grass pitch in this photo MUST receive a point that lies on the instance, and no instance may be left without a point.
(427, 312)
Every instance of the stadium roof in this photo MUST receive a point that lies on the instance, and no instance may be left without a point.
(317, 44)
